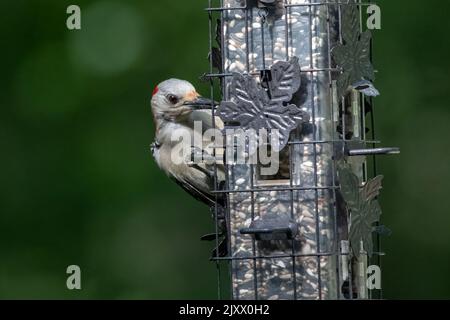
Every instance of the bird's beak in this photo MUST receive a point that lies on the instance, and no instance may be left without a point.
(201, 103)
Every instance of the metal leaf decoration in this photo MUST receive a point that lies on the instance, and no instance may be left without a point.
(349, 186)
(363, 207)
(353, 55)
(383, 231)
(275, 8)
(252, 107)
(372, 189)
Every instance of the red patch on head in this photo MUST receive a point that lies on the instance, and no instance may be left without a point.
(155, 91)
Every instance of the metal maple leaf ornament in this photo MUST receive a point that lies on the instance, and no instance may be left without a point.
(353, 55)
(252, 107)
(275, 8)
(363, 206)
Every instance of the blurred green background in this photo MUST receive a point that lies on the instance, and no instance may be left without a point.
(79, 186)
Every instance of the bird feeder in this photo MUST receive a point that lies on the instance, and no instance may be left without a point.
(303, 68)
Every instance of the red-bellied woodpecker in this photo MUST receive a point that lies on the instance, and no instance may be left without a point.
(176, 107)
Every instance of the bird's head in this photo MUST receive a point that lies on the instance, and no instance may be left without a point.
(173, 100)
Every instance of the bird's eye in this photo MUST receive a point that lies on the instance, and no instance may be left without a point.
(172, 99)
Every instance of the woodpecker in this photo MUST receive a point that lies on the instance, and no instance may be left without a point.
(176, 106)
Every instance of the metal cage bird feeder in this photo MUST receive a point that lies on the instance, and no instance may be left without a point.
(305, 66)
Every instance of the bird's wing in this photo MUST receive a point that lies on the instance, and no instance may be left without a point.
(198, 194)
(205, 116)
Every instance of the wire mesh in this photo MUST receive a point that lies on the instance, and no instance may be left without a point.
(316, 264)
